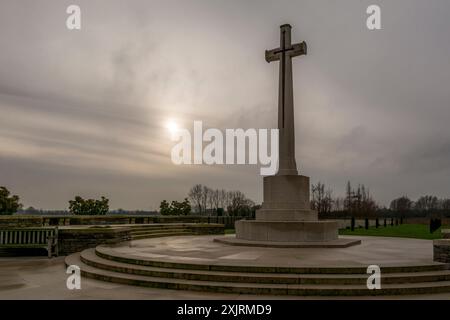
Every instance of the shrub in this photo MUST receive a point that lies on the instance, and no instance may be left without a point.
(90, 207)
(8, 204)
(175, 208)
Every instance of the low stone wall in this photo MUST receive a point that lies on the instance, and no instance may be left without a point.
(441, 250)
(72, 220)
(75, 240)
(17, 221)
(206, 228)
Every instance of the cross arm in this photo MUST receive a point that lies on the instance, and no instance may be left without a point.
(273, 55)
(294, 50)
(298, 49)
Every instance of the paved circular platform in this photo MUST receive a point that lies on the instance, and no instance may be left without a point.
(198, 263)
(337, 243)
(204, 250)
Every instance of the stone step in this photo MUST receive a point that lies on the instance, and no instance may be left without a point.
(159, 235)
(156, 226)
(109, 254)
(90, 258)
(256, 288)
(155, 231)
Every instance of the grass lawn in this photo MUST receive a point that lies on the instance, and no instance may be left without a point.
(419, 231)
(230, 231)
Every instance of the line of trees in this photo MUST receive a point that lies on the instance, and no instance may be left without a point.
(206, 200)
(424, 204)
(357, 201)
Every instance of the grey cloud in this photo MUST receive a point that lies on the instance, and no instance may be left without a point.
(84, 112)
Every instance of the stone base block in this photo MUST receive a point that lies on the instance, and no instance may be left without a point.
(286, 231)
(286, 215)
(286, 192)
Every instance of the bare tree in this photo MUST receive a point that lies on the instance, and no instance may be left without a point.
(206, 197)
(216, 199)
(223, 199)
(239, 204)
(322, 200)
(427, 203)
(445, 204)
(196, 197)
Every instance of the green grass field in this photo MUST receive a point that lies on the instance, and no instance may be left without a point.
(230, 231)
(419, 231)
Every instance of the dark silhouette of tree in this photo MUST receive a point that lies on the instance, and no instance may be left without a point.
(427, 203)
(93, 207)
(196, 196)
(8, 204)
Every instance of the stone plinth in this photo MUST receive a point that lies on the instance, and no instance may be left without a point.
(286, 198)
(285, 216)
(288, 231)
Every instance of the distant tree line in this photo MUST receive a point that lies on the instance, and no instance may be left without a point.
(202, 200)
(423, 206)
(357, 201)
(215, 202)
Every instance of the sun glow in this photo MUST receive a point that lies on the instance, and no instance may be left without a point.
(172, 126)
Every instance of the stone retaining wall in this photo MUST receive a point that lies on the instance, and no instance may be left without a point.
(71, 220)
(76, 240)
(17, 221)
(441, 250)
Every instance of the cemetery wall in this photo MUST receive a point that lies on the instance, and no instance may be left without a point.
(72, 220)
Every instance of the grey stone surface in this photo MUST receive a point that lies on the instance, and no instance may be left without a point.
(383, 251)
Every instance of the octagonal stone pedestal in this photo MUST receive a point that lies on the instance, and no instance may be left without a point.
(286, 220)
(289, 231)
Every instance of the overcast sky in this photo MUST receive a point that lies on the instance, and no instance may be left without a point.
(84, 112)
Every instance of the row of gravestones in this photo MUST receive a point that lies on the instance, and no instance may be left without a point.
(435, 224)
(386, 222)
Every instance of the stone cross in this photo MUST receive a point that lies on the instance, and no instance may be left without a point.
(284, 54)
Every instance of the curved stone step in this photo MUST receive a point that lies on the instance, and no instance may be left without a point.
(109, 254)
(255, 288)
(155, 231)
(159, 235)
(156, 226)
(90, 258)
